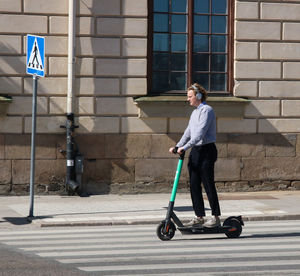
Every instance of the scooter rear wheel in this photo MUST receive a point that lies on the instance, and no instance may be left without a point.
(165, 235)
(235, 228)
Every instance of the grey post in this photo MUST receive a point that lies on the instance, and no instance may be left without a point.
(33, 131)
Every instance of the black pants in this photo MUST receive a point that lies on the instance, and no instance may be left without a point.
(201, 169)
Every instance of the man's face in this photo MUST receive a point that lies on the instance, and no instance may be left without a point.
(191, 98)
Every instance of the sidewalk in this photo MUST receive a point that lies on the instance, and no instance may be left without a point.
(143, 208)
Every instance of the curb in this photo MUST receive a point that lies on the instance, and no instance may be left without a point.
(155, 221)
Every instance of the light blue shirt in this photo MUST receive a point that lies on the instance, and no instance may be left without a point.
(201, 129)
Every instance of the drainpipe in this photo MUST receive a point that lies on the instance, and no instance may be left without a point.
(71, 183)
(71, 54)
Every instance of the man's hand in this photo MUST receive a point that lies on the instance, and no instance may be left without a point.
(171, 150)
(180, 150)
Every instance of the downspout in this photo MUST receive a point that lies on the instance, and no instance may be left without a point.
(71, 184)
(71, 54)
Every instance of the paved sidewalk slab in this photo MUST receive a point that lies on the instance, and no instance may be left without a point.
(144, 208)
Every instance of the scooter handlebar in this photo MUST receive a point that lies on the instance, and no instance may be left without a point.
(181, 156)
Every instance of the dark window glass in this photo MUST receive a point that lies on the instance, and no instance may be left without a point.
(201, 23)
(218, 24)
(201, 62)
(202, 79)
(201, 6)
(201, 43)
(160, 61)
(180, 57)
(219, 6)
(178, 43)
(218, 82)
(161, 81)
(178, 23)
(218, 43)
(218, 63)
(178, 81)
(160, 22)
(178, 62)
(161, 42)
(161, 6)
(179, 6)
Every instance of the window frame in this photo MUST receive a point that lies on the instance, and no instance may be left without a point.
(230, 49)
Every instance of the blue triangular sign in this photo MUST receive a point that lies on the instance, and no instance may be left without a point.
(35, 55)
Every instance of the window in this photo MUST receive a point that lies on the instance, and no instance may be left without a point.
(190, 41)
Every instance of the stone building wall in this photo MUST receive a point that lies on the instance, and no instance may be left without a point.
(139, 163)
(267, 63)
(111, 49)
(125, 153)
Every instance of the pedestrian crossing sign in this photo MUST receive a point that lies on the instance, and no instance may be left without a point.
(35, 61)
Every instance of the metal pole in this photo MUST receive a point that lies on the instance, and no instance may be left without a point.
(71, 55)
(33, 131)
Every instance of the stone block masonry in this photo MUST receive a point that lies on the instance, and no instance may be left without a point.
(266, 63)
(140, 163)
(125, 153)
(111, 63)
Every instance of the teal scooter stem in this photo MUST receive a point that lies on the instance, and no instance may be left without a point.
(170, 214)
(177, 176)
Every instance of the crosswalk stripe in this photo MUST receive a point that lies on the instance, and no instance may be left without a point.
(129, 240)
(92, 247)
(158, 250)
(91, 229)
(189, 255)
(144, 244)
(187, 265)
(269, 229)
(80, 240)
(66, 236)
(237, 271)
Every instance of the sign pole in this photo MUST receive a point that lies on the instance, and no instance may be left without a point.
(35, 66)
(33, 132)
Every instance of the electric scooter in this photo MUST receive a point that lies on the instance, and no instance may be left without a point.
(232, 226)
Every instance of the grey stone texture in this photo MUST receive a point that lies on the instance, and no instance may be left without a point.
(1, 147)
(141, 163)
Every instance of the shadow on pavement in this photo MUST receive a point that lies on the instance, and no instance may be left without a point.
(275, 235)
(254, 236)
(21, 220)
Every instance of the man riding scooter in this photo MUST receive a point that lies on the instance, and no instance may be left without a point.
(200, 135)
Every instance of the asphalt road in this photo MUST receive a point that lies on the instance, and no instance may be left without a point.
(15, 263)
(264, 248)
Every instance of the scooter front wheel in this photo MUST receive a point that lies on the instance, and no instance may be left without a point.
(168, 234)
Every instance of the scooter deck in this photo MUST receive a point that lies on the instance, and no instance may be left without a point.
(203, 230)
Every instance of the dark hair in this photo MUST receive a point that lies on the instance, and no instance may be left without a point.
(197, 88)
